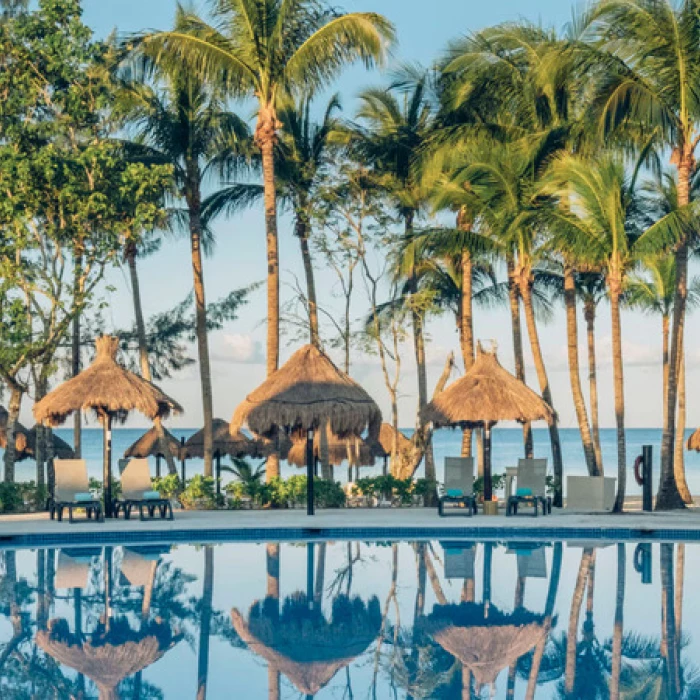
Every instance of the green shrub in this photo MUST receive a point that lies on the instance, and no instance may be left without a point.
(425, 487)
(296, 489)
(96, 487)
(272, 494)
(11, 499)
(168, 486)
(328, 494)
(498, 481)
(199, 488)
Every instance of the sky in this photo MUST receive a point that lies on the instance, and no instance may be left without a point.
(423, 30)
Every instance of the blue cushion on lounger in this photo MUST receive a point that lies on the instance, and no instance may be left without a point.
(151, 495)
(455, 493)
(523, 492)
(83, 497)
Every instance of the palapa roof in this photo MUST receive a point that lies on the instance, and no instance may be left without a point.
(694, 441)
(386, 439)
(61, 449)
(308, 392)
(20, 432)
(105, 387)
(302, 644)
(485, 645)
(225, 443)
(109, 659)
(148, 446)
(353, 450)
(487, 393)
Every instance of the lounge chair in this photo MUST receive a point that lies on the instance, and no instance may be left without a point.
(532, 559)
(531, 488)
(137, 492)
(139, 564)
(74, 565)
(458, 560)
(459, 487)
(72, 491)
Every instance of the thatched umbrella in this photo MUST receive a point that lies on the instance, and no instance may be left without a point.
(61, 449)
(148, 445)
(485, 642)
(386, 440)
(356, 451)
(108, 658)
(301, 643)
(306, 394)
(486, 394)
(20, 432)
(111, 392)
(694, 442)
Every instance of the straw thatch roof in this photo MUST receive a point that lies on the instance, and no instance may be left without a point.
(225, 443)
(694, 441)
(105, 387)
(20, 432)
(353, 450)
(110, 658)
(299, 641)
(61, 449)
(147, 445)
(487, 393)
(485, 645)
(308, 392)
(386, 439)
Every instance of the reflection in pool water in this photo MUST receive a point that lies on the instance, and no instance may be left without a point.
(447, 619)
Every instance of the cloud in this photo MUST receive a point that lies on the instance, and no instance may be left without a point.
(240, 349)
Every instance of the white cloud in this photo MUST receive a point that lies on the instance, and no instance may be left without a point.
(241, 349)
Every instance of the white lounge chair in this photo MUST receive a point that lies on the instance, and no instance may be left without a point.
(459, 559)
(74, 565)
(138, 492)
(72, 491)
(531, 487)
(459, 487)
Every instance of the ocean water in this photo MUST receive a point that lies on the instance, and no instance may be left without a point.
(507, 448)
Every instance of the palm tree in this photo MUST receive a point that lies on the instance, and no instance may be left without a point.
(647, 53)
(186, 125)
(269, 49)
(391, 127)
(205, 623)
(595, 226)
(653, 293)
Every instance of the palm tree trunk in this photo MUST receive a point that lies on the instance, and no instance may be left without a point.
(589, 312)
(466, 332)
(434, 580)
(547, 624)
(205, 623)
(616, 670)
(75, 357)
(526, 293)
(664, 360)
(163, 445)
(302, 233)
(668, 497)
(265, 138)
(678, 601)
(574, 615)
(518, 354)
(619, 384)
(13, 410)
(669, 631)
(574, 371)
(679, 459)
(194, 209)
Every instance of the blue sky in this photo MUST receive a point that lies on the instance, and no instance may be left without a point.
(423, 28)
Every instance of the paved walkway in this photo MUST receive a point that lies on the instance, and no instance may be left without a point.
(356, 523)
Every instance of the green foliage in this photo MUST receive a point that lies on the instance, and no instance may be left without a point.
(11, 497)
(328, 494)
(200, 492)
(498, 482)
(389, 487)
(95, 486)
(168, 486)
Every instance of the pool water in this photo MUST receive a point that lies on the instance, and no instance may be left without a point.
(441, 619)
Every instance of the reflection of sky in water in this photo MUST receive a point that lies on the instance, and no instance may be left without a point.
(240, 579)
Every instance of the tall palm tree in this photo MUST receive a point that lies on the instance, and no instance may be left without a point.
(652, 292)
(268, 49)
(391, 128)
(649, 60)
(185, 124)
(595, 224)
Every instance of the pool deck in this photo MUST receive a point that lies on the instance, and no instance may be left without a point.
(36, 530)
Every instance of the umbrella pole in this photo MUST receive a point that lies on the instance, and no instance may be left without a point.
(488, 490)
(157, 466)
(310, 472)
(310, 574)
(218, 473)
(108, 588)
(488, 555)
(107, 470)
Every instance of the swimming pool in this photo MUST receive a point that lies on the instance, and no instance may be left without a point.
(425, 619)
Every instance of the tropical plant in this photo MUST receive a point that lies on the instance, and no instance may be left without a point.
(648, 65)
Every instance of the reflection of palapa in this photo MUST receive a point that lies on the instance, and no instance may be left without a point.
(302, 644)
